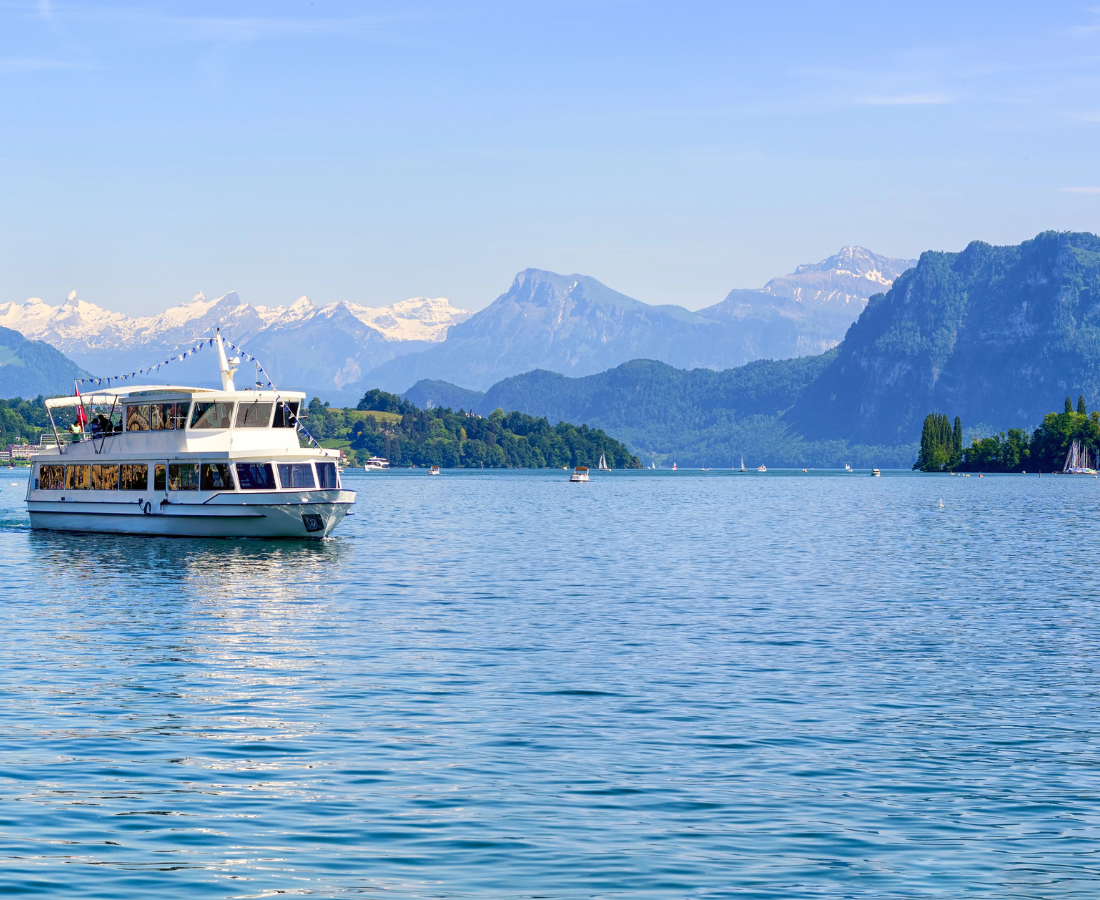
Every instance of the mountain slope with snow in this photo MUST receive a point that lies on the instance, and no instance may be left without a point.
(319, 348)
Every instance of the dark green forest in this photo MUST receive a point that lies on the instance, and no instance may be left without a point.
(408, 436)
(1012, 451)
(385, 425)
(22, 421)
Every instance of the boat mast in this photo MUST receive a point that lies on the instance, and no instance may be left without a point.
(226, 369)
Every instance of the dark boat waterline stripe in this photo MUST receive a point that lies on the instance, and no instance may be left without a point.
(88, 512)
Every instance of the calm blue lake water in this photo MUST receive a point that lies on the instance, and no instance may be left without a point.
(500, 684)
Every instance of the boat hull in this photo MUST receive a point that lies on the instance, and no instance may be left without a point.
(275, 516)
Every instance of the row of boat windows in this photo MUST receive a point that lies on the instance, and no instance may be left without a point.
(201, 476)
(174, 416)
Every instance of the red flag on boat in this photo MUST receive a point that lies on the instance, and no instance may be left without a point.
(81, 417)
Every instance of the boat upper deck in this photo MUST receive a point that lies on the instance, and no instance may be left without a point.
(170, 421)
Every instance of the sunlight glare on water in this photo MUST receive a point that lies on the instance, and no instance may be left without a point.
(501, 684)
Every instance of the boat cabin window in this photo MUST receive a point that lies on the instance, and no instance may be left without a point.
(256, 477)
(160, 477)
(326, 475)
(134, 477)
(78, 478)
(183, 476)
(216, 477)
(285, 414)
(137, 418)
(212, 415)
(296, 475)
(104, 478)
(253, 415)
(51, 478)
(168, 416)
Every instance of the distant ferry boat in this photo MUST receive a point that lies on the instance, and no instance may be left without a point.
(375, 463)
(186, 461)
(579, 474)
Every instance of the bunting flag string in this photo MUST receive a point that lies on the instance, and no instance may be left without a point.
(206, 342)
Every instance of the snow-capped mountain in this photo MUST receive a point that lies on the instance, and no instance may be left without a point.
(318, 348)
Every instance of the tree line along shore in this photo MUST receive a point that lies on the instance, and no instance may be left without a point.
(1044, 450)
(386, 425)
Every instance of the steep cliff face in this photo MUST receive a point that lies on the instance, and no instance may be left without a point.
(998, 335)
(565, 323)
(574, 325)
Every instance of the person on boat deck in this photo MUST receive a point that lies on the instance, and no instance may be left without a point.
(95, 427)
(76, 431)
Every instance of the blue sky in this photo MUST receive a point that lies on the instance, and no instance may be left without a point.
(375, 151)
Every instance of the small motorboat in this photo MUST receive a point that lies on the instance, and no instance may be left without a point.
(579, 474)
(876, 473)
(434, 470)
(761, 468)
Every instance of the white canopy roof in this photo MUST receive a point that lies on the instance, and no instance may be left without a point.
(110, 396)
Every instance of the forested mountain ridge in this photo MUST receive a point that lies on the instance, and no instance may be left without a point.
(994, 334)
(694, 417)
(29, 368)
(991, 333)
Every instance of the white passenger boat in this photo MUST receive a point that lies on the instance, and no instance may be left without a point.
(186, 461)
(579, 474)
(376, 464)
(434, 470)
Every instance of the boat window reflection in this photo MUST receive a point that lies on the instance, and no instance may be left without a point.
(104, 478)
(160, 477)
(134, 477)
(253, 415)
(326, 475)
(255, 477)
(285, 414)
(78, 478)
(137, 418)
(183, 476)
(52, 478)
(296, 475)
(216, 477)
(165, 416)
(212, 415)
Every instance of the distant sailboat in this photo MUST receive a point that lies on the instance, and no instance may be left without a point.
(743, 469)
(1079, 460)
(603, 466)
(847, 468)
(674, 467)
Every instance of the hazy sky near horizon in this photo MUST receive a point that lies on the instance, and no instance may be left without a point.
(371, 152)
